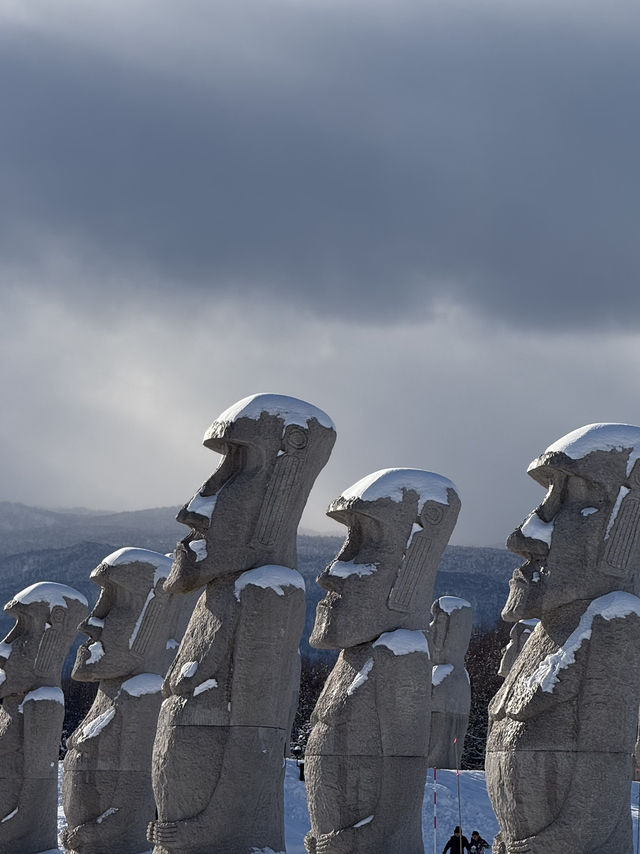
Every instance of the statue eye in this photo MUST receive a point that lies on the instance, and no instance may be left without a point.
(432, 513)
(295, 438)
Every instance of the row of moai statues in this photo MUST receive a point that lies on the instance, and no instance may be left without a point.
(561, 726)
(224, 710)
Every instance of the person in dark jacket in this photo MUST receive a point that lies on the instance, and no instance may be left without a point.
(478, 844)
(458, 843)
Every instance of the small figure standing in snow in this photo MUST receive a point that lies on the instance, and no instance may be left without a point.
(458, 843)
(478, 844)
(366, 757)
(32, 711)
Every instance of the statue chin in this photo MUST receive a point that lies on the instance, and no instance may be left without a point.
(520, 605)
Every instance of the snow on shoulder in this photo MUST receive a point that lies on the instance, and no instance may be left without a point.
(449, 604)
(598, 437)
(51, 592)
(612, 606)
(46, 692)
(290, 409)
(393, 483)
(143, 683)
(403, 641)
(274, 577)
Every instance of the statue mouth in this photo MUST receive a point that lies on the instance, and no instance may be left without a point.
(330, 600)
(530, 572)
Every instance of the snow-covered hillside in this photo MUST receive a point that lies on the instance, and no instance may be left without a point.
(476, 809)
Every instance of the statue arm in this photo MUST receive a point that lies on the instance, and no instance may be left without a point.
(403, 687)
(125, 800)
(584, 823)
(113, 822)
(599, 780)
(403, 698)
(266, 658)
(42, 727)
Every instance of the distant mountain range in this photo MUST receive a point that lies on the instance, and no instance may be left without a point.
(47, 545)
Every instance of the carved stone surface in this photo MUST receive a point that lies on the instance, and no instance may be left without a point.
(133, 632)
(218, 757)
(518, 636)
(32, 712)
(366, 758)
(563, 725)
(449, 634)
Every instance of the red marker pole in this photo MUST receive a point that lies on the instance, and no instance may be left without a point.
(455, 741)
(435, 811)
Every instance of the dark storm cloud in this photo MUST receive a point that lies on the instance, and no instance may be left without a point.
(358, 166)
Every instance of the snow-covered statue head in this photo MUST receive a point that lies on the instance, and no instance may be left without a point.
(583, 540)
(32, 654)
(399, 522)
(32, 712)
(450, 630)
(133, 626)
(247, 513)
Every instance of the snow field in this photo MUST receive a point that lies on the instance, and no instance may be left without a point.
(477, 813)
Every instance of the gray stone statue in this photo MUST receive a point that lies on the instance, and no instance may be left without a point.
(32, 712)
(366, 758)
(218, 764)
(518, 636)
(133, 630)
(563, 725)
(449, 634)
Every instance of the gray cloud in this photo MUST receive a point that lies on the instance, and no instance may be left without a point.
(420, 217)
(359, 166)
(112, 414)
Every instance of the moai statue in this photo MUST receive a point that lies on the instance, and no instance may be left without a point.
(218, 762)
(133, 636)
(518, 636)
(449, 635)
(366, 757)
(32, 712)
(563, 725)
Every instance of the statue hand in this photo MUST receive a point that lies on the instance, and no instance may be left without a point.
(521, 846)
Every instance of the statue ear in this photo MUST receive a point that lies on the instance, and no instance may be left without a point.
(623, 542)
(281, 494)
(415, 556)
(51, 643)
(156, 615)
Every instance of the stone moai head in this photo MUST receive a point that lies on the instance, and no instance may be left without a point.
(247, 513)
(399, 522)
(32, 654)
(518, 636)
(134, 620)
(583, 540)
(450, 630)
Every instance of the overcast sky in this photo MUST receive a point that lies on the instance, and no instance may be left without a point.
(420, 216)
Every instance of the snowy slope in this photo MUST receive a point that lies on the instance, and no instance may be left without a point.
(476, 809)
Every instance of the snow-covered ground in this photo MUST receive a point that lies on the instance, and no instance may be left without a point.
(476, 809)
